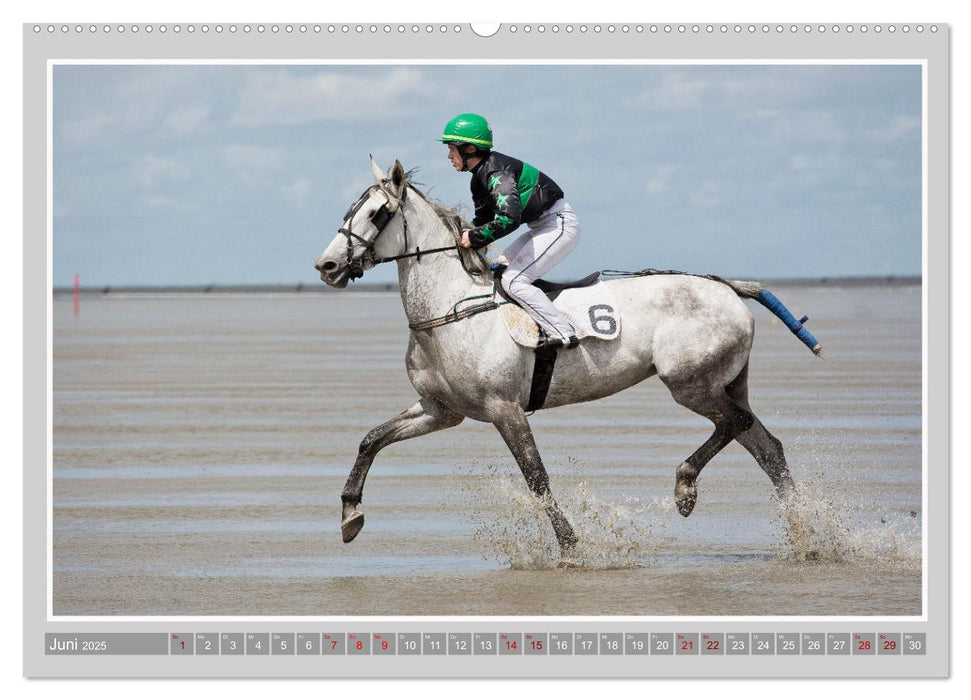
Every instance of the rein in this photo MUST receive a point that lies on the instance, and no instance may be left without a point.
(418, 253)
(650, 271)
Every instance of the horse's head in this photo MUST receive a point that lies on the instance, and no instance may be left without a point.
(359, 240)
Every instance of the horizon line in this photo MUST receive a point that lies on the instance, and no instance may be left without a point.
(321, 288)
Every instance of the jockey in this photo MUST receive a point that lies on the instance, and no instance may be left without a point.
(508, 192)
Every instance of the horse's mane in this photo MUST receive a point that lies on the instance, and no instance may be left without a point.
(454, 222)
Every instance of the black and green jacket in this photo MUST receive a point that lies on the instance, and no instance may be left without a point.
(507, 192)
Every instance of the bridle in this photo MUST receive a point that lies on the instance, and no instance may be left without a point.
(381, 218)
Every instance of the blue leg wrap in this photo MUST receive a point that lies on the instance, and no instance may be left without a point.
(769, 301)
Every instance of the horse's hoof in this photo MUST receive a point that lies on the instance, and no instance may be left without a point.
(685, 497)
(352, 525)
(685, 491)
(686, 505)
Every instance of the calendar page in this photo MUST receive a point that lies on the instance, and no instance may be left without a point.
(272, 410)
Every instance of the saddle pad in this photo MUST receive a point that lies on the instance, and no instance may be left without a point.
(591, 311)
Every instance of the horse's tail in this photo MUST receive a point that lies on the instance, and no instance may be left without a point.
(755, 290)
(746, 290)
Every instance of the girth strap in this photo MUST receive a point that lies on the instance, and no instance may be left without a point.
(542, 376)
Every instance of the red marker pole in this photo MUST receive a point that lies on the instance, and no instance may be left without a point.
(77, 292)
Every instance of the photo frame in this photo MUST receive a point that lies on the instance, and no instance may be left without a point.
(194, 437)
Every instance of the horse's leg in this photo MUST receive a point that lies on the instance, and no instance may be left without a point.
(730, 420)
(767, 450)
(518, 436)
(760, 443)
(424, 417)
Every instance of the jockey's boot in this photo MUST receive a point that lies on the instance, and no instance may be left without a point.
(547, 344)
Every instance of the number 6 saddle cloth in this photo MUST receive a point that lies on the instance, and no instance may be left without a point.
(587, 304)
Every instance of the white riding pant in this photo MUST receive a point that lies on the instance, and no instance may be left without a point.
(550, 239)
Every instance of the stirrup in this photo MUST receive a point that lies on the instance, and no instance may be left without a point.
(546, 343)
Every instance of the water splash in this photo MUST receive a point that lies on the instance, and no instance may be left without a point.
(819, 524)
(512, 526)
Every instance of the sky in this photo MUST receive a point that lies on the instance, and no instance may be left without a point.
(240, 174)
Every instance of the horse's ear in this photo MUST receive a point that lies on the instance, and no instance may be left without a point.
(378, 175)
(398, 178)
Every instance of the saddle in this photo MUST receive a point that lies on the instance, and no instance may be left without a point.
(550, 289)
(587, 304)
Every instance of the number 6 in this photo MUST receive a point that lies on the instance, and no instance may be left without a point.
(606, 318)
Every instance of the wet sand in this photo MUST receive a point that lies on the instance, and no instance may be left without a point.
(201, 443)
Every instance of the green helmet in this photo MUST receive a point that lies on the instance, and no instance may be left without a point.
(468, 128)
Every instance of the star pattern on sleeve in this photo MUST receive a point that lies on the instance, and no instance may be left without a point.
(498, 208)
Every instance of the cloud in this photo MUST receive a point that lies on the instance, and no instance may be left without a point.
(171, 204)
(811, 170)
(245, 158)
(674, 91)
(706, 196)
(87, 128)
(276, 98)
(681, 89)
(156, 170)
(752, 87)
(658, 180)
(108, 103)
(298, 190)
(186, 119)
(353, 189)
(896, 129)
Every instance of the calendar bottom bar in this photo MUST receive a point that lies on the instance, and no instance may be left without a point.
(489, 644)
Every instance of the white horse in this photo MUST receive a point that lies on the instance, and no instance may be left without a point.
(694, 333)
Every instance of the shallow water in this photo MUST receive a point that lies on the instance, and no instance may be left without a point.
(201, 443)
